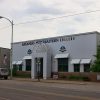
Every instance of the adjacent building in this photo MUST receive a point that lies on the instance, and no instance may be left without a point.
(69, 53)
(4, 57)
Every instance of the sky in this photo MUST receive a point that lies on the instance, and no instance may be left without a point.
(27, 13)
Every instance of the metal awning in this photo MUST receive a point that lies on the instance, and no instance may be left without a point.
(14, 62)
(75, 61)
(66, 55)
(27, 57)
(85, 61)
(19, 62)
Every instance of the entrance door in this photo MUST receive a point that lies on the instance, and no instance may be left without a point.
(28, 64)
(39, 67)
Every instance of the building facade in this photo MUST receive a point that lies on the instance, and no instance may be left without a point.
(71, 53)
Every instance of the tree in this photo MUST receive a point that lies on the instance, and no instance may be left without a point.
(96, 65)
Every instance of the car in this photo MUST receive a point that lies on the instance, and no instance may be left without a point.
(4, 73)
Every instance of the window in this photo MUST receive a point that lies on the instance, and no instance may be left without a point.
(28, 64)
(86, 67)
(20, 67)
(76, 67)
(63, 64)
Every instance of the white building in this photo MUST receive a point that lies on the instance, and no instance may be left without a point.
(71, 53)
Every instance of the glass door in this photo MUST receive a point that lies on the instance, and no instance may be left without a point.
(39, 67)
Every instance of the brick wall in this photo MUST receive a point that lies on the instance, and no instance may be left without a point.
(91, 75)
(24, 74)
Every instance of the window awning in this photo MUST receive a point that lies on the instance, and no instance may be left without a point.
(75, 61)
(14, 62)
(62, 55)
(27, 57)
(85, 61)
(19, 62)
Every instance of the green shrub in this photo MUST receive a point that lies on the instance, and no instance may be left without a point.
(84, 78)
(72, 77)
(23, 75)
(14, 71)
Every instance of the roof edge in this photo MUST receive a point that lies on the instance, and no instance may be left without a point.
(86, 33)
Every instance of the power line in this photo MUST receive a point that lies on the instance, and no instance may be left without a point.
(54, 18)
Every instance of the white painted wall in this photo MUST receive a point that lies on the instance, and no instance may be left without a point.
(83, 46)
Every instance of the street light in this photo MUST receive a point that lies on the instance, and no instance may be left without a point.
(11, 52)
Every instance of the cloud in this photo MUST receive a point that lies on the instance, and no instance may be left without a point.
(32, 10)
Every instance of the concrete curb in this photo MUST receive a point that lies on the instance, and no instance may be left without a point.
(55, 81)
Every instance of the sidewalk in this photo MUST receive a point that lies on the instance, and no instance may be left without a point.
(56, 81)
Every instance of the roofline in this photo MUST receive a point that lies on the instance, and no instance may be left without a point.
(4, 48)
(86, 33)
